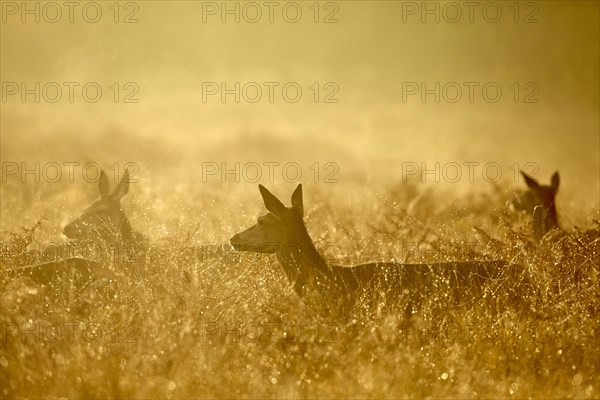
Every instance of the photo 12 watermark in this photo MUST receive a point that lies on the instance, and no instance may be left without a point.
(252, 12)
(70, 92)
(69, 12)
(14, 254)
(465, 171)
(48, 332)
(270, 171)
(61, 171)
(452, 12)
(270, 92)
(470, 91)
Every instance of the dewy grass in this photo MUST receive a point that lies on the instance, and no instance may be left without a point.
(196, 319)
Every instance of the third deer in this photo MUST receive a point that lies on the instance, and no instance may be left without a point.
(540, 201)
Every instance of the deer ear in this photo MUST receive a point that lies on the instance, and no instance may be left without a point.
(272, 203)
(532, 183)
(297, 200)
(123, 187)
(555, 181)
(103, 184)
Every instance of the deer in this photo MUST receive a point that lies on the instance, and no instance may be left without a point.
(105, 219)
(103, 223)
(539, 201)
(334, 289)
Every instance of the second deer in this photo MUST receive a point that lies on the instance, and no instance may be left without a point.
(105, 219)
(103, 225)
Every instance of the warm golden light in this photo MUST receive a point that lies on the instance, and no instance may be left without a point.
(455, 145)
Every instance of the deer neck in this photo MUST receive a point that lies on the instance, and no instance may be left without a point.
(126, 231)
(551, 217)
(304, 266)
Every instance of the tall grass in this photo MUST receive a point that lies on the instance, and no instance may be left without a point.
(213, 323)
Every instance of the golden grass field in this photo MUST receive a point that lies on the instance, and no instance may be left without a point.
(224, 325)
(195, 319)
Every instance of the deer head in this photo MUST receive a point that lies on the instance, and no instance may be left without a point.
(543, 197)
(282, 226)
(104, 219)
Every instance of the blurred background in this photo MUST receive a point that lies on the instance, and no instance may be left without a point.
(357, 64)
